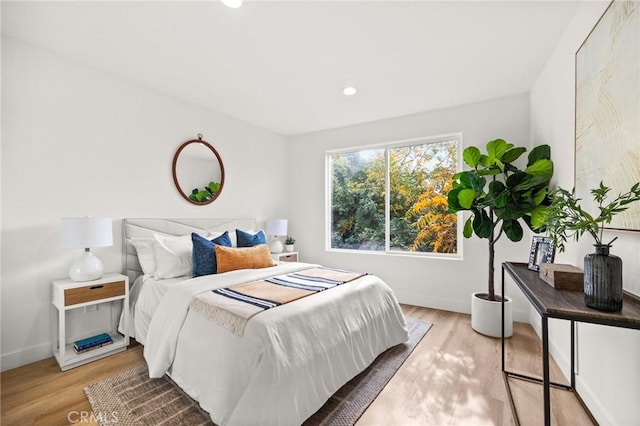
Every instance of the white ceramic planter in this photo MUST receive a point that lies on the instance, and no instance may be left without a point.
(289, 247)
(486, 316)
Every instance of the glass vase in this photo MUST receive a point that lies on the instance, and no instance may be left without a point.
(603, 280)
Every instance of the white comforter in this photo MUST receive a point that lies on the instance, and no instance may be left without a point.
(290, 360)
(144, 297)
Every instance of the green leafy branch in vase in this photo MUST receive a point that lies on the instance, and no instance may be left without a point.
(206, 194)
(566, 218)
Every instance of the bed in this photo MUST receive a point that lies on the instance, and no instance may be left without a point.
(286, 363)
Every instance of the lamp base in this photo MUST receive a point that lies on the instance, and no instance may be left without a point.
(86, 268)
(275, 246)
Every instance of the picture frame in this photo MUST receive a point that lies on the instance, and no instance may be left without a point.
(607, 106)
(542, 251)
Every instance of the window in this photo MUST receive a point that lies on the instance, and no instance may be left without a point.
(393, 198)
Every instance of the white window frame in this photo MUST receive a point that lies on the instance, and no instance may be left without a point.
(457, 137)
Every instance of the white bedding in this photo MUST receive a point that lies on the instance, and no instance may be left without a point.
(144, 297)
(290, 360)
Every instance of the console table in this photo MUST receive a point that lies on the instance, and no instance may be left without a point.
(560, 304)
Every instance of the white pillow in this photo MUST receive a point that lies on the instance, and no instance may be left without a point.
(146, 256)
(173, 256)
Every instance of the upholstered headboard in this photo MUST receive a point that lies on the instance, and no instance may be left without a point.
(145, 228)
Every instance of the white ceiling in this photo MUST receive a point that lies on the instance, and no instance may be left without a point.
(282, 65)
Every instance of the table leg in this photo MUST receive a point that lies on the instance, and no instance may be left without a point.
(545, 371)
(62, 334)
(573, 354)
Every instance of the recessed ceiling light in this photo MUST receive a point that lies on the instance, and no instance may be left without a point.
(234, 4)
(349, 91)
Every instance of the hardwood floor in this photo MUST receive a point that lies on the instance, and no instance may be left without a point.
(452, 378)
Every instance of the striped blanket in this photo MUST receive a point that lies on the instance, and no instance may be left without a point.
(231, 307)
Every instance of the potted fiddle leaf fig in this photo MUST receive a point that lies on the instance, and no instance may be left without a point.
(602, 271)
(499, 195)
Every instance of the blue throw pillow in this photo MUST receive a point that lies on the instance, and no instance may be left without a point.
(204, 253)
(246, 239)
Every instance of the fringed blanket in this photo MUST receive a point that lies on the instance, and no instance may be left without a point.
(231, 307)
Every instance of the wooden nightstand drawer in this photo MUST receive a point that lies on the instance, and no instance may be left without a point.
(293, 257)
(74, 296)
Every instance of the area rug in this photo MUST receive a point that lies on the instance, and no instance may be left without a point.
(132, 398)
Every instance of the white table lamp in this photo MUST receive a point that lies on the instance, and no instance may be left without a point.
(86, 232)
(276, 227)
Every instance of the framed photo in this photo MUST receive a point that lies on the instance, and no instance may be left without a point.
(542, 251)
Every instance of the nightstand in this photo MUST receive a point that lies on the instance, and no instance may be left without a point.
(111, 289)
(286, 256)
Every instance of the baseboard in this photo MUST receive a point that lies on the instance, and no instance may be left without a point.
(520, 316)
(435, 303)
(25, 356)
(590, 398)
(451, 305)
(559, 356)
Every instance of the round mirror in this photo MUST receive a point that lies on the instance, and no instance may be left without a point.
(198, 171)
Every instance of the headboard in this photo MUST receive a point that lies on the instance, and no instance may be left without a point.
(145, 228)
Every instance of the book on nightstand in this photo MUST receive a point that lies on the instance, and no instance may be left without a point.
(90, 348)
(93, 342)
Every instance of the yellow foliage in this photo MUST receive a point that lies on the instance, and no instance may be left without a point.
(434, 223)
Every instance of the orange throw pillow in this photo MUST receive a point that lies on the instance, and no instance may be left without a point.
(232, 258)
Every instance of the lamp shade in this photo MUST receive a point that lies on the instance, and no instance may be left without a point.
(86, 232)
(276, 227)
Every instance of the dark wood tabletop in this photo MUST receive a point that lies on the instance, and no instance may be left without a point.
(567, 304)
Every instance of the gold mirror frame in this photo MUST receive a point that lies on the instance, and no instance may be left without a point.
(186, 196)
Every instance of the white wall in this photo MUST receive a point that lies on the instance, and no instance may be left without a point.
(424, 281)
(608, 358)
(76, 141)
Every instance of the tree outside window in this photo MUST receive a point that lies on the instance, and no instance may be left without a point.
(410, 214)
